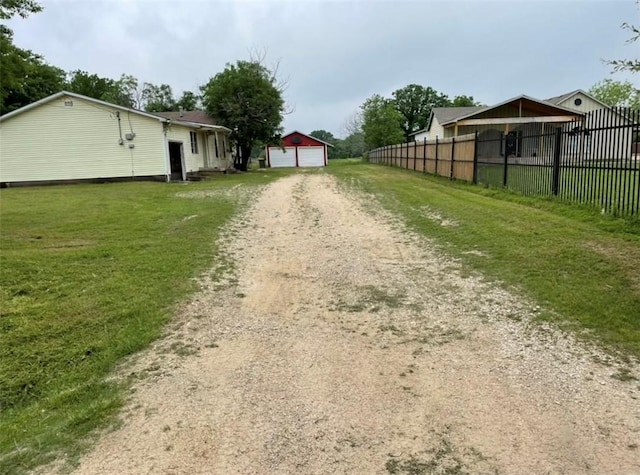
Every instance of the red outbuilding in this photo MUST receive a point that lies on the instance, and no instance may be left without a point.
(298, 150)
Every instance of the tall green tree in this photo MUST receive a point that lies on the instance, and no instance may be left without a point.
(381, 122)
(23, 8)
(246, 98)
(91, 85)
(352, 146)
(159, 98)
(328, 137)
(616, 93)
(26, 77)
(189, 101)
(463, 101)
(116, 91)
(414, 103)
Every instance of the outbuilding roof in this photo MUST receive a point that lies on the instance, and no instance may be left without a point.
(308, 136)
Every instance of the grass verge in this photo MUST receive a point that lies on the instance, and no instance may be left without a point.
(582, 267)
(89, 274)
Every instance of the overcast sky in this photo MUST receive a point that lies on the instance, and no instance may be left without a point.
(335, 54)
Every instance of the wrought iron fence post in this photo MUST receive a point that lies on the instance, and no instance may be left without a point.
(556, 162)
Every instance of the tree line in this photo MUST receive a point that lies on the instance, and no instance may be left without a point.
(27, 77)
(389, 120)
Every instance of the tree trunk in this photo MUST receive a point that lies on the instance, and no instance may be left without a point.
(242, 160)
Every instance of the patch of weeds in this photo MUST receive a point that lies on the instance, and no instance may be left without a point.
(182, 349)
(438, 336)
(342, 306)
(600, 360)
(390, 328)
(442, 461)
(213, 344)
(380, 296)
(624, 374)
(514, 316)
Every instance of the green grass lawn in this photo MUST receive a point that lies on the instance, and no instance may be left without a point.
(89, 274)
(617, 191)
(581, 266)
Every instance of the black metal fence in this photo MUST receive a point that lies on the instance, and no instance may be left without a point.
(593, 161)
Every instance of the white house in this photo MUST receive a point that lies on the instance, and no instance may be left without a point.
(70, 137)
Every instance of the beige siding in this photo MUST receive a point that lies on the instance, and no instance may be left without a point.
(58, 142)
(587, 105)
(436, 130)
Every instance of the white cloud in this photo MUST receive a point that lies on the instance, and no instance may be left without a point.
(336, 54)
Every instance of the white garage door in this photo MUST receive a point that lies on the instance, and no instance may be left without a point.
(311, 156)
(282, 158)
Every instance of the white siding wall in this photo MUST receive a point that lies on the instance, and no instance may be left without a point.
(419, 137)
(192, 161)
(57, 142)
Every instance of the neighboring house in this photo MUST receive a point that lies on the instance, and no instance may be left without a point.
(531, 124)
(70, 137)
(602, 134)
(298, 150)
(516, 113)
(440, 115)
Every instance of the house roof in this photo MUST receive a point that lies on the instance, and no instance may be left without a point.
(308, 136)
(569, 95)
(447, 114)
(542, 105)
(450, 115)
(198, 117)
(98, 102)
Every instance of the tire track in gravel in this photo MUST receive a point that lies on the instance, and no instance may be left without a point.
(342, 343)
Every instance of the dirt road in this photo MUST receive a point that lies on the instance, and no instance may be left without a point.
(342, 343)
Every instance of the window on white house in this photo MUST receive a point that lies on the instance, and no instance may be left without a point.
(215, 141)
(194, 142)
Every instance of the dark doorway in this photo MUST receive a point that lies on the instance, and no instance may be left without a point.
(175, 161)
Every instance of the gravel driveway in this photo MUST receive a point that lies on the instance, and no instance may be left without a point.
(340, 342)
